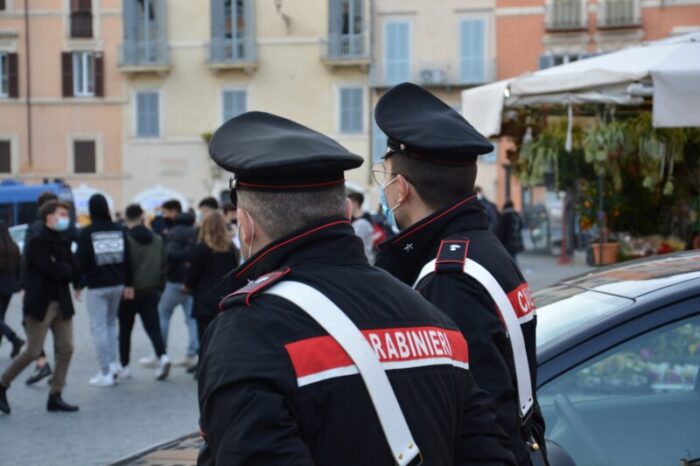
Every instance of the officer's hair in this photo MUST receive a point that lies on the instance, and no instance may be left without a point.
(437, 185)
(279, 214)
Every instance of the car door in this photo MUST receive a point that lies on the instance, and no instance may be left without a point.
(636, 403)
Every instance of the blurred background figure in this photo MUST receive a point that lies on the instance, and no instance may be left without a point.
(212, 258)
(511, 229)
(491, 209)
(105, 268)
(362, 224)
(9, 284)
(148, 268)
(205, 207)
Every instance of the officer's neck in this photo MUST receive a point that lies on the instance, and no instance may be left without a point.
(413, 212)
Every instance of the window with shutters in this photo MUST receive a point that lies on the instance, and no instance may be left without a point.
(84, 157)
(351, 109)
(4, 75)
(397, 51)
(233, 103)
(3, 5)
(5, 157)
(81, 18)
(472, 63)
(346, 29)
(145, 42)
(232, 38)
(83, 74)
(147, 114)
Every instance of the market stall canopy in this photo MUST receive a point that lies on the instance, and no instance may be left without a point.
(668, 70)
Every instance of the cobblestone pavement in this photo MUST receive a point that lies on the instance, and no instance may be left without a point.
(137, 413)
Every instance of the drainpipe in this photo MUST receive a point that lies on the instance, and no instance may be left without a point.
(370, 90)
(29, 89)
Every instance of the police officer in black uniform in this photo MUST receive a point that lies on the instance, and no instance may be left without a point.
(427, 183)
(274, 387)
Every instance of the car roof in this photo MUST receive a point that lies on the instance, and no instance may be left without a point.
(637, 278)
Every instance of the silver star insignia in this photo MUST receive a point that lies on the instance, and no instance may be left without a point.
(408, 248)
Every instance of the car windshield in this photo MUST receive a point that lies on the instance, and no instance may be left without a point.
(563, 309)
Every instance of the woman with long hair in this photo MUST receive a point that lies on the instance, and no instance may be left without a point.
(9, 284)
(213, 257)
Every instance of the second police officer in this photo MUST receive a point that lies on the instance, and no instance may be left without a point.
(447, 252)
(319, 358)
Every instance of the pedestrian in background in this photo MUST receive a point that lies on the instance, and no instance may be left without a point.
(179, 243)
(205, 207)
(103, 258)
(212, 258)
(362, 224)
(9, 284)
(491, 209)
(50, 268)
(511, 229)
(147, 256)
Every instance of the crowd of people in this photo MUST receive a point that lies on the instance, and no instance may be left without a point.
(121, 266)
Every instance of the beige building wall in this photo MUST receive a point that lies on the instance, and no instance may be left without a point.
(56, 120)
(289, 78)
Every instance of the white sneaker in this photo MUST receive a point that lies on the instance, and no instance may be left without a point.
(115, 369)
(188, 362)
(150, 362)
(125, 373)
(102, 380)
(163, 368)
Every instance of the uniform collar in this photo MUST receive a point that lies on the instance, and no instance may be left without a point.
(404, 255)
(329, 242)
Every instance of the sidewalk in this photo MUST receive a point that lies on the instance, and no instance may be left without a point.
(542, 270)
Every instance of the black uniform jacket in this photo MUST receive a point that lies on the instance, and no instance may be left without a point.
(275, 389)
(470, 306)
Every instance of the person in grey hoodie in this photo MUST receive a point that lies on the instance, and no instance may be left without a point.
(149, 266)
(105, 269)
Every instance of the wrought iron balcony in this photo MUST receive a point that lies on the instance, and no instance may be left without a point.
(566, 15)
(436, 74)
(619, 13)
(348, 49)
(144, 56)
(232, 53)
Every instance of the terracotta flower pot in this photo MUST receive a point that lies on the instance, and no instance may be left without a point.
(610, 251)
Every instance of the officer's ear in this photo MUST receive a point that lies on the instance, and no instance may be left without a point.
(348, 208)
(245, 226)
(404, 189)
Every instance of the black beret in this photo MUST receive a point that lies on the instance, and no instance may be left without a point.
(268, 152)
(420, 125)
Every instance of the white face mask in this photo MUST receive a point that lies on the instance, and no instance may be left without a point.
(252, 238)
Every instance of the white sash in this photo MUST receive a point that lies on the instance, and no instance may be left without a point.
(349, 337)
(510, 318)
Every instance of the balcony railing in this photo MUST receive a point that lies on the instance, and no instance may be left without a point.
(619, 13)
(232, 52)
(566, 15)
(346, 47)
(437, 74)
(141, 54)
(81, 24)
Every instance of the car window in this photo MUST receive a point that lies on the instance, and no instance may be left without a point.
(636, 404)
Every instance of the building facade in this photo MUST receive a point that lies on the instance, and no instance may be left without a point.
(190, 66)
(61, 94)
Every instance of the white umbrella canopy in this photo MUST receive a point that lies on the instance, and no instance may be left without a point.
(672, 66)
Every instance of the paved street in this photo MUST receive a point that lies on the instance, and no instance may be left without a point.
(140, 412)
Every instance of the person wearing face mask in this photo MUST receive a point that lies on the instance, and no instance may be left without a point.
(47, 305)
(318, 357)
(447, 252)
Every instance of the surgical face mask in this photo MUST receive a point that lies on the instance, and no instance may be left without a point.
(386, 210)
(252, 238)
(61, 224)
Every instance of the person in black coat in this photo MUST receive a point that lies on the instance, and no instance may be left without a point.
(511, 230)
(47, 304)
(212, 258)
(275, 388)
(9, 284)
(427, 179)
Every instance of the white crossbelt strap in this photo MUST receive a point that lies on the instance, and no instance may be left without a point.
(510, 318)
(349, 337)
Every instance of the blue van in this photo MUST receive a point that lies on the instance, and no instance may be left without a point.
(18, 201)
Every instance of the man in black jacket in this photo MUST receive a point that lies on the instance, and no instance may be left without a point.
(275, 388)
(47, 304)
(427, 182)
(103, 257)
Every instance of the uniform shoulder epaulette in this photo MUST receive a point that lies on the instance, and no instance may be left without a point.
(254, 287)
(452, 255)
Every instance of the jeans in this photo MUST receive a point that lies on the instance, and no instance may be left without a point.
(103, 306)
(145, 303)
(62, 330)
(172, 297)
